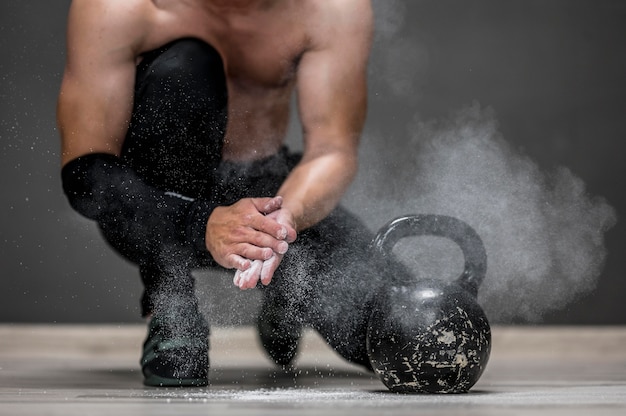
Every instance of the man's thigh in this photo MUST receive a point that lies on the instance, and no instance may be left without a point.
(328, 280)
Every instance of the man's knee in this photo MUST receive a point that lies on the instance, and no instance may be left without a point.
(198, 56)
(175, 137)
(191, 64)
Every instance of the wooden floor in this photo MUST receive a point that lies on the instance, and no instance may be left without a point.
(93, 370)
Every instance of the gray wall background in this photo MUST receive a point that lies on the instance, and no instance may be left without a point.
(553, 72)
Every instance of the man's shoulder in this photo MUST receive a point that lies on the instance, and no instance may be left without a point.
(113, 14)
(331, 19)
(117, 21)
(109, 8)
(343, 9)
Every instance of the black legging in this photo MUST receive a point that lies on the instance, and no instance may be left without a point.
(327, 278)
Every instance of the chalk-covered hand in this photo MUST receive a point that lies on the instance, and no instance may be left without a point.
(263, 270)
(239, 234)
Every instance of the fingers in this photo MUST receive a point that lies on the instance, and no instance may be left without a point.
(255, 245)
(269, 230)
(237, 277)
(291, 235)
(234, 261)
(268, 205)
(269, 226)
(268, 269)
(248, 253)
(248, 279)
(253, 252)
(258, 270)
(285, 218)
(259, 214)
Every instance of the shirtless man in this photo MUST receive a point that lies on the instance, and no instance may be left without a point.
(173, 116)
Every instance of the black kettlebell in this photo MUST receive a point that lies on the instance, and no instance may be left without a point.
(429, 336)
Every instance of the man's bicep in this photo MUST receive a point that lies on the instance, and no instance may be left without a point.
(90, 122)
(332, 87)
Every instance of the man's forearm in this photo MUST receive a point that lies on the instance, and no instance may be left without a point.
(315, 187)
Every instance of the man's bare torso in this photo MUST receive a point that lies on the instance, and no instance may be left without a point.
(260, 46)
(268, 47)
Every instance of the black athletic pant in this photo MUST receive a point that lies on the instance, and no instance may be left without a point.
(327, 278)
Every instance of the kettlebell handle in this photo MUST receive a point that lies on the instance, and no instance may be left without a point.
(440, 226)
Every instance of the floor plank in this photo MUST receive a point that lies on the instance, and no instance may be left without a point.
(93, 370)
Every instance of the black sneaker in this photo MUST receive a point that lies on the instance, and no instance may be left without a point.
(279, 335)
(176, 361)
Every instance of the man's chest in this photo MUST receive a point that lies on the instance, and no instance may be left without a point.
(259, 51)
(263, 61)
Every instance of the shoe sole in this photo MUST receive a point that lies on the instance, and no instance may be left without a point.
(153, 380)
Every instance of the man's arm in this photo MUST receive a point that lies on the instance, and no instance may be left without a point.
(332, 94)
(95, 101)
(332, 100)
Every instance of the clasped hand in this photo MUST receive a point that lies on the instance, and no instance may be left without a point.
(251, 236)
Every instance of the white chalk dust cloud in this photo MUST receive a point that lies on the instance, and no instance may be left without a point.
(544, 234)
(402, 61)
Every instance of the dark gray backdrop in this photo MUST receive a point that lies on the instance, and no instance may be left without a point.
(553, 71)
